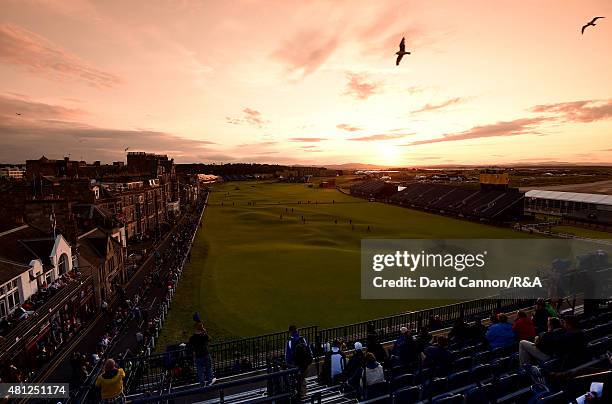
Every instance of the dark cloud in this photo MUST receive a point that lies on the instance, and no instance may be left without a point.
(360, 87)
(383, 136)
(55, 131)
(250, 117)
(516, 127)
(307, 139)
(36, 54)
(306, 52)
(442, 105)
(578, 111)
(10, 107)
(347, 127)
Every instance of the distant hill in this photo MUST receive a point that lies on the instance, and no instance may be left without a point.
(355, 166)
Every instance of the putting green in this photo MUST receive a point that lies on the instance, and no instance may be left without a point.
(253, 272)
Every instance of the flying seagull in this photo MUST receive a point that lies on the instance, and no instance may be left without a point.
(592, 23)
(402, 51)
(18, 113)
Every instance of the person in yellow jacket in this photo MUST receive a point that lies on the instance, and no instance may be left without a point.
(110, 383)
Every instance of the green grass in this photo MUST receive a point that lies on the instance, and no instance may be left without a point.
(253, 273)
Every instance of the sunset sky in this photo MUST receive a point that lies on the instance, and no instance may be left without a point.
(307, 82)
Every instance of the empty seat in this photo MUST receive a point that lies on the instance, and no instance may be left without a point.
(506, 384)
(377, 390)
(458, 379)
(503, 364)
(407, 379)
(554, 398)
(423, 375)
(407, 395)
(463, 363)
(480, 372)
(478, 395)
(448, 398)
(597, 347)
(435, 386)
(481, 357)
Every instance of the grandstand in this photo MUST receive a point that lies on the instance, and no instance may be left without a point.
(374, 189)
(478, 373)
(494, 201)
(478, 204)
(570, 207)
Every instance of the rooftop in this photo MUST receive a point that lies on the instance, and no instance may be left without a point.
(570, 196)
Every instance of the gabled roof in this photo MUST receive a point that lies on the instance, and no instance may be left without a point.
(20, 246)
(13, 248)
(10, 270)
(570, 196)
(93, 246)
(41, 248)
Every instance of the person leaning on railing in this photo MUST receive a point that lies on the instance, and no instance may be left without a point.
(110, 383)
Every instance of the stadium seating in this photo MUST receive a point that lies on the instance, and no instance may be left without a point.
(464, 202)
(376, 189)
(478, 375)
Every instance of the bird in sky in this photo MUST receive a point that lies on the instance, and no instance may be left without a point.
(18, 113)
(591, 23)
(402, 51)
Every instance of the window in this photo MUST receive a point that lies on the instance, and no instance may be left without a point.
(62, 265)
(13, 300)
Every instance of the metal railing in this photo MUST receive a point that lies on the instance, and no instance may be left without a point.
(175, 367)
(277, 384)
(387, 328)
(33, 323)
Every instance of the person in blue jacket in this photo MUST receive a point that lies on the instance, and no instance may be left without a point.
(500, 334)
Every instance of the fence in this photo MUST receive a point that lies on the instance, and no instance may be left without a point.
(175, 367)
(387, 328)
(279, 386)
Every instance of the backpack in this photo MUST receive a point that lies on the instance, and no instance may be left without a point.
(302, 357)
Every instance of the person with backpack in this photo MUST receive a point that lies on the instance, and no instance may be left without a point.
(198, 343)
(298, 354)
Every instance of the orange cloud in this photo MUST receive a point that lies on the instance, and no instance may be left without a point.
(250, 117)
(306, 52)
(516, 127)
(434, 107)
(26, 49)
(384, 136)
(359, 87)
(307, 139)
(347, 127)
(579, 111)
